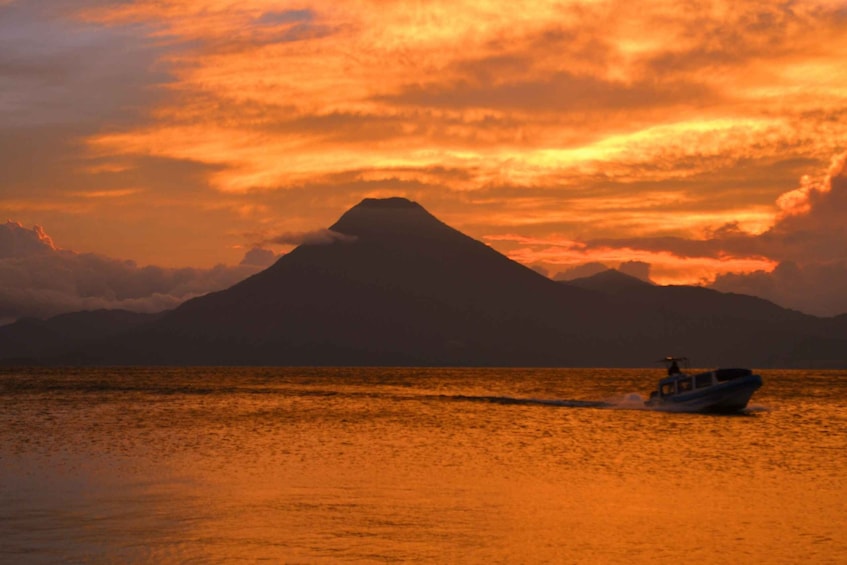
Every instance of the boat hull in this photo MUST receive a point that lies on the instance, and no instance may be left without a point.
(724, 398)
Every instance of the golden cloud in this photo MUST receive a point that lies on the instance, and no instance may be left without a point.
(589, 121)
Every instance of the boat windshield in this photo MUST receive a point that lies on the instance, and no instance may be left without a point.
(677, 385)
(703, 380)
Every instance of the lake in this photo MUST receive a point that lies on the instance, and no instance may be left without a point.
(220, 465)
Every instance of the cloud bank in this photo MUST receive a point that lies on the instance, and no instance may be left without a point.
(810, 243)
(38, 279)
(804, 251)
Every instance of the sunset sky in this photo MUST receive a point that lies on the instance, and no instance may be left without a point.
(697, 142)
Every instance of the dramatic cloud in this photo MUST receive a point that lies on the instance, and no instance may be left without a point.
(803, 255)
(38, 279)
(562, 132)
(16, 241)
(810, 243)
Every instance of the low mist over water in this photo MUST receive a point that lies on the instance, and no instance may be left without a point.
(414, 465)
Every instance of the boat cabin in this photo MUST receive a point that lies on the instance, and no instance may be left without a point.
(680, 383)
(720, 390)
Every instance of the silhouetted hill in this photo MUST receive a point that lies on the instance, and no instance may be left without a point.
(30, 339)
(610, 281)
(393, 285)
(706, 324)
(687, 301)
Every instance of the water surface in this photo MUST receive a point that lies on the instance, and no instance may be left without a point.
(414, 465)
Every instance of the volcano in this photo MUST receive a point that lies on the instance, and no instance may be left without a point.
(390, 284)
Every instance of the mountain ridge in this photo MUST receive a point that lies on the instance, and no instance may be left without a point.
(679, 297)
(399, 287)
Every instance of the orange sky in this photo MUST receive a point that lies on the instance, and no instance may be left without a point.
(561, 133)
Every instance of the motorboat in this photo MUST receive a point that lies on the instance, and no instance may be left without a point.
(720, 390)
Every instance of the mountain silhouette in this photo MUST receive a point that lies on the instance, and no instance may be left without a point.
(396, 286)
(610, 281)
(684, 300)
(710, 325)
(28, 340)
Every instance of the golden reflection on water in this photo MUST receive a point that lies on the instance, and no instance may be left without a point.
(414, 465)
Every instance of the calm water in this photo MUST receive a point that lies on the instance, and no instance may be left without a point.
(414, 465)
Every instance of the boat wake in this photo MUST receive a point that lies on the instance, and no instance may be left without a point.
(530, 401)
(630, 401)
